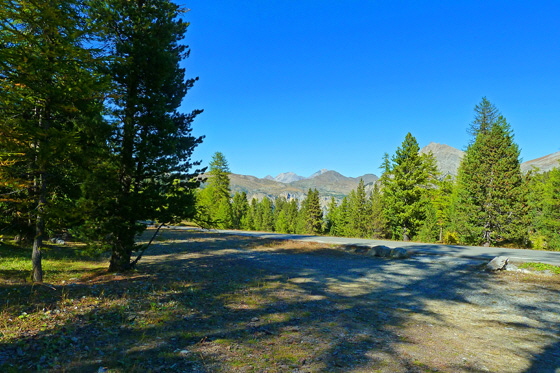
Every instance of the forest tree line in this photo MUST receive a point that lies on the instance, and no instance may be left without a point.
(490, 202)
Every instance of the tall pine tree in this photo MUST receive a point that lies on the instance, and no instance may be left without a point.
(214, 201)
(266, 213)
(239, 209)
(544, 202)
(332, 217)
(311, 215)
(407, 176)
(50, 109)
(359, 208)
(490, 198)
(376, 219)
(149, 174)
(551, 209)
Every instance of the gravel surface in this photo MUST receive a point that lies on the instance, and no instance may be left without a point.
(426, 313)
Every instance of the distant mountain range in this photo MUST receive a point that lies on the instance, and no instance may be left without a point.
(330, 183)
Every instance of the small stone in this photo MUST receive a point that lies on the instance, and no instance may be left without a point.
(254, 319)
(184, 353)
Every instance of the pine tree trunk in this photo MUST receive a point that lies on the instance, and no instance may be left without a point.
(36, 255)
(487, 242)
(406, 237)
(122, 249)
(120, 259)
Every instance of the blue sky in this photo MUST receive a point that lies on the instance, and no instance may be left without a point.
(305, 85)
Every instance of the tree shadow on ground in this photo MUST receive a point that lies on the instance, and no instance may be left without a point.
(548, 361)
(206, 302)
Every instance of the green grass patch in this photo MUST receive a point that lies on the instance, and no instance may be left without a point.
(541, 267)
(59, 263)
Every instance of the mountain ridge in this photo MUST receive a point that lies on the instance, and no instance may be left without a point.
(331, 183)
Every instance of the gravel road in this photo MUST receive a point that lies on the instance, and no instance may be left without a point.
(417, 248)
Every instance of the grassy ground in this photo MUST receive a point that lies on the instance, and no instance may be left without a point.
(204, 311)
(541, 267)
(85, 319)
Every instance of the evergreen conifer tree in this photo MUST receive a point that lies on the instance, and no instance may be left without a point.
(359, 207)
(148, 173)
(248, 220)
(292, 213)
(544, 202)
(551, 210)
(331, 219)
(311, 214)
(50, 110)
(266, 212)
(281, 223)
(437, 210)
(376, 219)
(254, 221)
(490, 198)
(407, 176)
(343, 226)
(219, 193)
(219, 177)
(239, 208)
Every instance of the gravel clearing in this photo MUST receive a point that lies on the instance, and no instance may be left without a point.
(426, 313)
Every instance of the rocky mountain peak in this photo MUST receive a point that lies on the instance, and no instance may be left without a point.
(287, 177)
(447, 157)
(318, 173)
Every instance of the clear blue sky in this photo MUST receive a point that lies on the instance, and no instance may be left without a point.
(310, 84)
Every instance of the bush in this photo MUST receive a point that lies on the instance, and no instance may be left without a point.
(538, 241)
(451, 238)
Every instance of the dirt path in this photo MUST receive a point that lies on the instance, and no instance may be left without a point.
(331, 311)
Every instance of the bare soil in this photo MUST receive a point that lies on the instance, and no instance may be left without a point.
(206, 302)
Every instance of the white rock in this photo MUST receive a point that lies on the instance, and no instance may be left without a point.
(498, 263)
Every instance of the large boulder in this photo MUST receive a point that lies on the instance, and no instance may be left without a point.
(380, 250)
(399, 253)
(387, 252)
(499, 263)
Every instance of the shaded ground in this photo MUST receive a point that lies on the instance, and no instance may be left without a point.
(211, 302)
